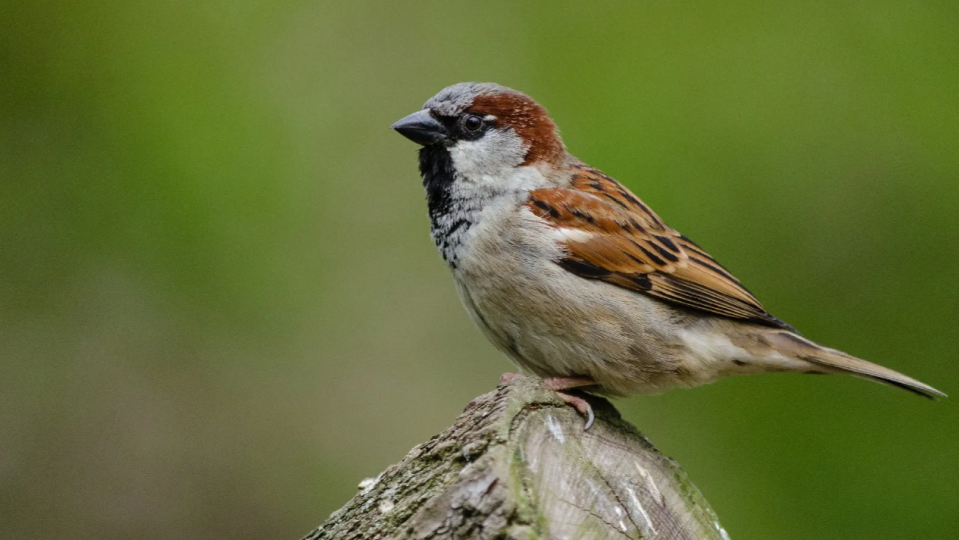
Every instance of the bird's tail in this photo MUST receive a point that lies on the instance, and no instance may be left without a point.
(834, 361)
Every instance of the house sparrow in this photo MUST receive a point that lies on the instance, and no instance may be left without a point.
(574, 277)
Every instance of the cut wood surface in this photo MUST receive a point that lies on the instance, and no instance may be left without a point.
(517, 464)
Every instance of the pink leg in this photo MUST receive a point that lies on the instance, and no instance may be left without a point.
(565, 383)
(558, 384)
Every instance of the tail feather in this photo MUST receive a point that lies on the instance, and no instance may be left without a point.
(839, 362)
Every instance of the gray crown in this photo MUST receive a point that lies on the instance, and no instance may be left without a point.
(453, 99)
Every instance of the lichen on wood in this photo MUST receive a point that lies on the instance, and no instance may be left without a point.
(518, 465)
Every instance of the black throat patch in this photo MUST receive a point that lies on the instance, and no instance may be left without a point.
(436, 169)
(450, 217)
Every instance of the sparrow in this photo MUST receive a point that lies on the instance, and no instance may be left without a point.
(576, 279)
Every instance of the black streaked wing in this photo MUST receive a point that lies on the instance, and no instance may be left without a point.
(615, 238)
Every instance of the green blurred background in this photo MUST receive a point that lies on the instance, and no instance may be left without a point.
(220, 308)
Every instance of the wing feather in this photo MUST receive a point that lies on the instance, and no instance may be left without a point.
(611, 235)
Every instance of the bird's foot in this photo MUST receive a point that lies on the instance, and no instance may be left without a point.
(558, 384)
(580, 404)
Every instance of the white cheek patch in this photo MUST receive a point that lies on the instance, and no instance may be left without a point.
(489, 155)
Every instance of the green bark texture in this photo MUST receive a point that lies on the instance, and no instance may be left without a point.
(517, 464)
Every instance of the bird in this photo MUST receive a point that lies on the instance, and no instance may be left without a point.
(574, 277)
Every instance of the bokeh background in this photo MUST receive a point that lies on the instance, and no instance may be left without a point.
(220, 308)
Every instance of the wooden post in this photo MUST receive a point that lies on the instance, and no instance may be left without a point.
(518, 465)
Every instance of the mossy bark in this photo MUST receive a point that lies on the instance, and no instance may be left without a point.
(518, 465)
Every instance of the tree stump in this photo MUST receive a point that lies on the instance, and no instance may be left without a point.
(517, 464)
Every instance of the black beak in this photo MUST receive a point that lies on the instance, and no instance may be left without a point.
(421, 128)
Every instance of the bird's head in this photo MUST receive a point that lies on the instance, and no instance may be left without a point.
(485, 128)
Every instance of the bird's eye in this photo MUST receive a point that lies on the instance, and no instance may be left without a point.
(472, 123)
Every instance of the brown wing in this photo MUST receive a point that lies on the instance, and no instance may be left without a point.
(610, 235)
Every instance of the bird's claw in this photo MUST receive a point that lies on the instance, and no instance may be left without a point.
(581, 405)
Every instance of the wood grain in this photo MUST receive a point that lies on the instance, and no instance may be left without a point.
(518, 465)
